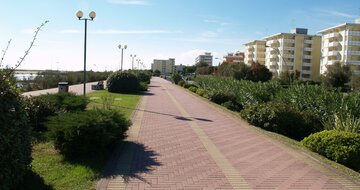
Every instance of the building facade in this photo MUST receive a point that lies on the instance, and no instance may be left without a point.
(166, 67)
(341, 43)
(255, 52)
(206, 58)
(295, 51)
(236, 57)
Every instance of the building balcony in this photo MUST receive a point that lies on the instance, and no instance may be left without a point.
(333, 44)
(306, 71)
(331, 62)
(308, 49)
(272, 55)
(332, 35)
(288, 56)
(288, 48)
(306, 64)
(273, 63)
(333, 53)
(308, 41)
(354, 33)
(288, 41)
(259, 59)
(260, 52)
(259, 47)
(269, 42)
(307, 56)
(353, 62)
(288, 63)
(354, 43)
(353, 53)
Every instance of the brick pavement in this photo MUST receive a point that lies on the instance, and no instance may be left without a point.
(179, 141)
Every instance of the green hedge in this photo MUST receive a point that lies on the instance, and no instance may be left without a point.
(281, 118)
(67, 102)
(87, 133)
(38, 109)
(340, 146)
(144, 77)
(123, 82)
(15, 139)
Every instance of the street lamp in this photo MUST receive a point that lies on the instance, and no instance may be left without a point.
(122, 51)
(132, 62)
(92, 15)
(138, 61)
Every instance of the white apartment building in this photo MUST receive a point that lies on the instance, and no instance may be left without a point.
(341, 43)
(255, 52)
(206, 58)
(165, 67)
(295, 51)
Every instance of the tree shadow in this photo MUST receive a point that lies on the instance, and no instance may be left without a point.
(33, 181)
(130, 160)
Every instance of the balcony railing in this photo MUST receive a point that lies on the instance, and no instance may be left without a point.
(288, 56)
(307, 56)
(354, 43)
(308, 49)
(333, 44)
(288, 40)
(353, 52)
(308, 41)
(306, 64)
(288, 48)
(353, 62)
(354, 33)
(332, 53)
(306, 72)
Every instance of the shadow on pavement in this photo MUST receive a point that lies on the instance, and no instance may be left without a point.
(130, 160)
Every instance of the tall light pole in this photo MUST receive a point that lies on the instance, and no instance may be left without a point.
(122, 51)
(132, 62)
(92, 15)
(138, 61)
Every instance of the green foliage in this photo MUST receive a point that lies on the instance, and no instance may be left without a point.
(176, 78)
(144, 77)
(181, 83)
(87, 133)
(200, 92)
(156, 73)
(188, 85)
(343, 122)
(280, 118)
(258, 72)
(144, 86)
(206, 70)
(123, 82)
(107, 101)
(340, 146)
(244, 93)
(355, 82)
(235, 70)
(193, 89)
(67, 102)
(38, 109)
(287, 77)
(337, 75)
(190, 69)
(15, 140)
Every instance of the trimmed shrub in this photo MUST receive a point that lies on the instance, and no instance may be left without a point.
(200, 91)
(181, 83)
(87, 133)
(15, 139)
(143, 86)
(342, 147)
(65, 101)
(193, 89)
(122, 82)
(233, 106)
(38, 109)
(176, 78)
(187, 85)
(280, 118)
(144, 77)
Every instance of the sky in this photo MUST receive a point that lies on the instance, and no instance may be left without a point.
(153, 29)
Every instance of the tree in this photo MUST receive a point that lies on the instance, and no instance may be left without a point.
(355, 82)
(157, 73)
(258, 72)
(286, 77)
(236, 70)
(337, 75)
(190, 69)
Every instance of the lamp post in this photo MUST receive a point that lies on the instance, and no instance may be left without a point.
(138, 61)
(132, 61)
(92, 15)
(122, 51)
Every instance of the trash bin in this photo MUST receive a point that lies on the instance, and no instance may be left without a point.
(63, 87)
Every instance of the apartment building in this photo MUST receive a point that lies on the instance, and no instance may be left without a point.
(295, 51)
(165, 67)
(236, 57)
(341, 43)
(206, 58)
(255, 52)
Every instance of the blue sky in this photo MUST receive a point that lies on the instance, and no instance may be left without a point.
(154, 29)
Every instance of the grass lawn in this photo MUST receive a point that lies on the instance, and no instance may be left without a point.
(51, 171)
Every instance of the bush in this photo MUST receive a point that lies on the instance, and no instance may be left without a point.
(87, 133)
(342, 147)
(156, 73)
(15, 139)
(65, 101)
(280, 118)
(187, 85)
(234, 106)
(181, 83)
(122, 82)
(176, 78)
(144, 77)
(193, 89)
(38, 109)
(200, 91)
(143, 86)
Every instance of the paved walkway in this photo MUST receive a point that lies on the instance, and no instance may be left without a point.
(179, 141)
(77, 89)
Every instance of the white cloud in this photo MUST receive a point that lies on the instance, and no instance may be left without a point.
(129, 2)
(337, 13)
